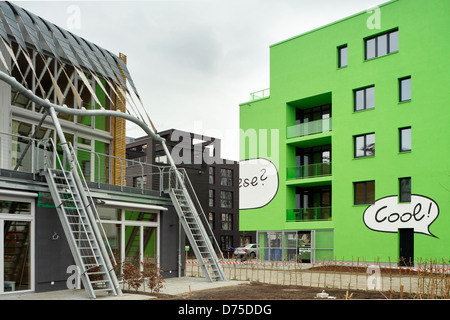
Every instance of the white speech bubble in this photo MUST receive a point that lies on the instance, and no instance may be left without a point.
(388, 214)
(258, 183)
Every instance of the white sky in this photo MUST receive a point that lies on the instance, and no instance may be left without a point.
(194, 61)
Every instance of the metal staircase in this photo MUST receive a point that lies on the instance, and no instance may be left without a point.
(78, 216)
(178, 188)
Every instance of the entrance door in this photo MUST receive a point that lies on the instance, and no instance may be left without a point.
(140, 244)
(406, 241)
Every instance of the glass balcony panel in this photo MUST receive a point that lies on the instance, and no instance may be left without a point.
(309, 171)
(309, 128)
(308, 214)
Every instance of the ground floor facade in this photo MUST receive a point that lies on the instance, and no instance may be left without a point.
(35, 253)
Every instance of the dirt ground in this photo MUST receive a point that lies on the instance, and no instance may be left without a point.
(264, 291)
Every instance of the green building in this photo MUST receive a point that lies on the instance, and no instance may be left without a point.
(355, 126)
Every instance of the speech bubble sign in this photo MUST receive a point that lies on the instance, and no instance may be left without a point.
(258, 183)
(388, 214)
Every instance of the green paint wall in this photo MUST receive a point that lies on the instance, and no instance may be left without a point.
(303, 70)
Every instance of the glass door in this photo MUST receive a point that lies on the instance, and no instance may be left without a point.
(140, 244)
(16, 247)
(16, 255)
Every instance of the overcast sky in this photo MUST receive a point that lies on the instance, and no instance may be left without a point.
(194, 61)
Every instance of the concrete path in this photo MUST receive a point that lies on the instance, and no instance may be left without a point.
(172, 286)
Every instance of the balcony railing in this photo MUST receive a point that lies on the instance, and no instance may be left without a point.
(259, 94)
(308, 214)
(309, 171)
(24, 154)
(309, 128)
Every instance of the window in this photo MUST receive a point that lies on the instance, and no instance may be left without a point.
(226, 199)
(364, 98)
(342, 56)
(140, 182)
(211, 174)
(364, 192)
(405, 189)
(405, 139)
(226, 177)
(211, 197)
(405, 89)
(226, 221)
(226, 242)
(364, 145)
(211, 220)
(381, 45)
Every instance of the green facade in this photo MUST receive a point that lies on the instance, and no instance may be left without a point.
(305, 73)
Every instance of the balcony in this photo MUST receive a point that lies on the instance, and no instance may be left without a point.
(309, 171)
(309, 128)
(308, 214)
(259, 94)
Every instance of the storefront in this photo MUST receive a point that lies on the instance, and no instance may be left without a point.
(306, 246)
(16, 242)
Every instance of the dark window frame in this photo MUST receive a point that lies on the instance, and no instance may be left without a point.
(226, 221)
(365, 192)
(226, 177)
(400, 91)
(400, 138)
(225, 201)
(404, 190)
(340, 60)
(376, 38)
(211, 197)
(365, 103)
(365, 145)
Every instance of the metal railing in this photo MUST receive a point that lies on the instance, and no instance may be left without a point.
(309, 128)
(308, 214)
(309, 171)
(25, 154)
(261, 94)
(169, 180)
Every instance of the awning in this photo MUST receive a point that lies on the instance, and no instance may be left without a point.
(130, 205)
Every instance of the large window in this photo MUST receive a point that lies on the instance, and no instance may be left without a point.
(364, 98)
(381, 45)
(226, 221)
(364, 145)
(404, 89)
(226, 199)
(342, 56)
(226, 177)
(405, 139)
(405, 189)
(364, 192)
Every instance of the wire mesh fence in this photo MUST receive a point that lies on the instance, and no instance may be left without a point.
(427, 279)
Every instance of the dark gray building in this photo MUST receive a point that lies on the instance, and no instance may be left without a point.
(214, 179)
